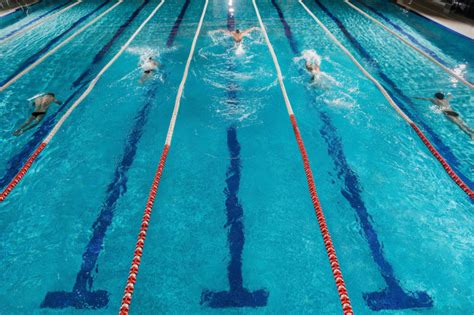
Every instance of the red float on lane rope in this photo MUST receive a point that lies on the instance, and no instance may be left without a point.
(443, 162)
(331, 252)
(132, 278)
(22, 172)
(89, 89)
(137, 255)
(392, 103)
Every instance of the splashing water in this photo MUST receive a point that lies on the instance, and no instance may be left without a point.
(144, 52)
(309, 55)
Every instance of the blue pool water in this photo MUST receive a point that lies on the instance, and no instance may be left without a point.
(233, 229)
(25, 13)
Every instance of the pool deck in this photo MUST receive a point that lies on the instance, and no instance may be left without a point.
(435, 11)
(7, 8)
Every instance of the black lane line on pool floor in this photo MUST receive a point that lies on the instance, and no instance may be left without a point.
(33, 58)
(440, 146)
(15, 163)
(81, 296)
(237, 296)
(18, 29)
(393, 296)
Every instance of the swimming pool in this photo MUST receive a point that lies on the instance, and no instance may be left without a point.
(233, 228)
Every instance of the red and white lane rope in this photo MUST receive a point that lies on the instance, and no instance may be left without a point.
(331, 252)
(61, 121)
(38, 23)
(132, 277)
(406, 42)
(59, 46)
(443, 162)
(425, 140)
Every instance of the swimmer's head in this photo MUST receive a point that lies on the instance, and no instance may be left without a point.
(50, 94)
(439, 96)
(237, 31)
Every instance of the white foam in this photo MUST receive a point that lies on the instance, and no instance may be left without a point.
(240, 49)
(309, 55)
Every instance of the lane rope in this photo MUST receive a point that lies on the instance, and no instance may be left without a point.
(60, 45)
(455, 177)
(38, 23)
(58, 125)
(22, 7)
(132, 277)
(331, 252)
(406, 42)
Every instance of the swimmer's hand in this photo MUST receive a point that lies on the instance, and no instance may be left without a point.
(18, 132)
(58, 102)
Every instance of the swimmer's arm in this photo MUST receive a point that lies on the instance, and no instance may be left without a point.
(220, 31)
(250, 30)
(424, 98)
(57, 101)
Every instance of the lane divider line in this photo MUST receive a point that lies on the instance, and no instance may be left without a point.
(58, 125)
(17, 160)
(331, 252)
(38, 23)
(137, 255)
(406, 42)
(28, 23)
(60, 45)
(401, 31)
(24, 8)
(425, 140)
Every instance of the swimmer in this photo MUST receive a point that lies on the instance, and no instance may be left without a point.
(443, 104)
(148, 66)
(41, 104)
(238, 35)
(312, 65)
(313, 68)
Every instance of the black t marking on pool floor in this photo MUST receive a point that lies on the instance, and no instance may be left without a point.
(237, 296)
(81, 296)
(394, 296)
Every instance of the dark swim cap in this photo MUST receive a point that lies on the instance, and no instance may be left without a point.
(439, 95)
(237, 31)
